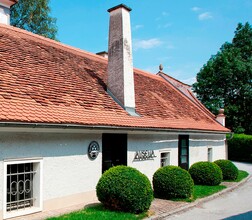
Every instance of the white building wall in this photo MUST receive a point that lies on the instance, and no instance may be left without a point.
(158, 143)
(198, 149)
(67, 168)
(199, 144)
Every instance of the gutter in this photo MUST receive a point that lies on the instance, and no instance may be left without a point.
(97, 127)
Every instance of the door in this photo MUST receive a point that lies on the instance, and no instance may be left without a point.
(183, 149)
(114, 150)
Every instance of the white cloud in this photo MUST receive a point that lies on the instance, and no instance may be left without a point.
(189, 81)
(195, 9)
(205, 16)
(167, 25)
(146, 44)
(138, 26)
(164, 13)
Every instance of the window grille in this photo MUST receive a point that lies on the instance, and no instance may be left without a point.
(20, 186)
(165, 159)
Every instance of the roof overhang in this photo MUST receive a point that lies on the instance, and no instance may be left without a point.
(37, 127)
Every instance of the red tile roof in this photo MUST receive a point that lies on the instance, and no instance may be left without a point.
(186, 90)
(43, 81)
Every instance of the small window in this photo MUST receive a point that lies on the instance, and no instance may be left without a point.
(210, 154)
(22, 187)
(165, 159)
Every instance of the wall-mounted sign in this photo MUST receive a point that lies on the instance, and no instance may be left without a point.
(145, 155)
(93, 150)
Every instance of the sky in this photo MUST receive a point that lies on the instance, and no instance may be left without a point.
(181, 35)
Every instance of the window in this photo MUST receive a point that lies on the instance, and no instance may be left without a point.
(22, 187)
(165, 159)
(210, 154)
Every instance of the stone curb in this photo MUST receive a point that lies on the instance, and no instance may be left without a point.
(199, 201)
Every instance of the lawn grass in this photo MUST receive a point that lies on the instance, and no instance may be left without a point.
(204, 191)
(98, 212)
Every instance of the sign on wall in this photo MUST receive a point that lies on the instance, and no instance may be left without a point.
(144, 155)
(93, 150)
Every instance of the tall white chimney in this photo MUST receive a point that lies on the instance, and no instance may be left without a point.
(5, 10)
(120, 64)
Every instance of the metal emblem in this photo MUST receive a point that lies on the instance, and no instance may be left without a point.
(93, 150)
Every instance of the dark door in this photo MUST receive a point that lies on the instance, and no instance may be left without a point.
(183, 151)
(114, 150)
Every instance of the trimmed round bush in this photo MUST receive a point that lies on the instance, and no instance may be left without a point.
(172, 182)
(229, 170)
(206, 173)
(125, 189)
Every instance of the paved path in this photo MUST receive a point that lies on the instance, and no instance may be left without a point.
(231, 206)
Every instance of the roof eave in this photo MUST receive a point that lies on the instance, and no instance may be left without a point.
(105, 127)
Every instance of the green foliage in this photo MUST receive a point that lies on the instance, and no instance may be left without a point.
(242, 174)
(229, 170)
(99, 212)
(172, 182)
(206, 173)
(240, 148)
(226, 81)
(125, 189)
(34, 16)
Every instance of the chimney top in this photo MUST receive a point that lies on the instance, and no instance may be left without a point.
(103, 54)
(5, 10)
(120, 6)
(8, 2)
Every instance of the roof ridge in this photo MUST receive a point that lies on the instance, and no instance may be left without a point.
(146, 73)
(173, 78)
(199, 105)
(57, 44)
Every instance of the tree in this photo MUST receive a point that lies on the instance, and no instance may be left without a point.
(226, 81)
(34, 16)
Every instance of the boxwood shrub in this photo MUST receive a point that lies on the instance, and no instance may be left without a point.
(229, 170)
(206, 173)
(125, 189)
(172, 182)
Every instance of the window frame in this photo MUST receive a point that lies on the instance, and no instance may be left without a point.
(39, 186)
(165, 152)
(210, 154)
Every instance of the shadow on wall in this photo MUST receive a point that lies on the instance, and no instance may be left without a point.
(24, 145)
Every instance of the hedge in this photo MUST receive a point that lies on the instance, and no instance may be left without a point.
(240, 148)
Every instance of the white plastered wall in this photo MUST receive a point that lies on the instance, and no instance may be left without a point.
(199, 144)
(67, 170)
(198, 149)
(158, 143)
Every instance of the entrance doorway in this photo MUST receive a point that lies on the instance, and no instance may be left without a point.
(114, 150)
(183, 149)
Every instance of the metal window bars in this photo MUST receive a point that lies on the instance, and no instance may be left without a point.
(20, 186)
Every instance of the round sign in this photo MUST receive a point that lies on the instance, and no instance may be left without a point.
(93, 150)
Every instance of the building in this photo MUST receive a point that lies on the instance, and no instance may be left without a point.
(67, 115)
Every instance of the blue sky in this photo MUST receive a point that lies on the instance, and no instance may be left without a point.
(181, 34)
